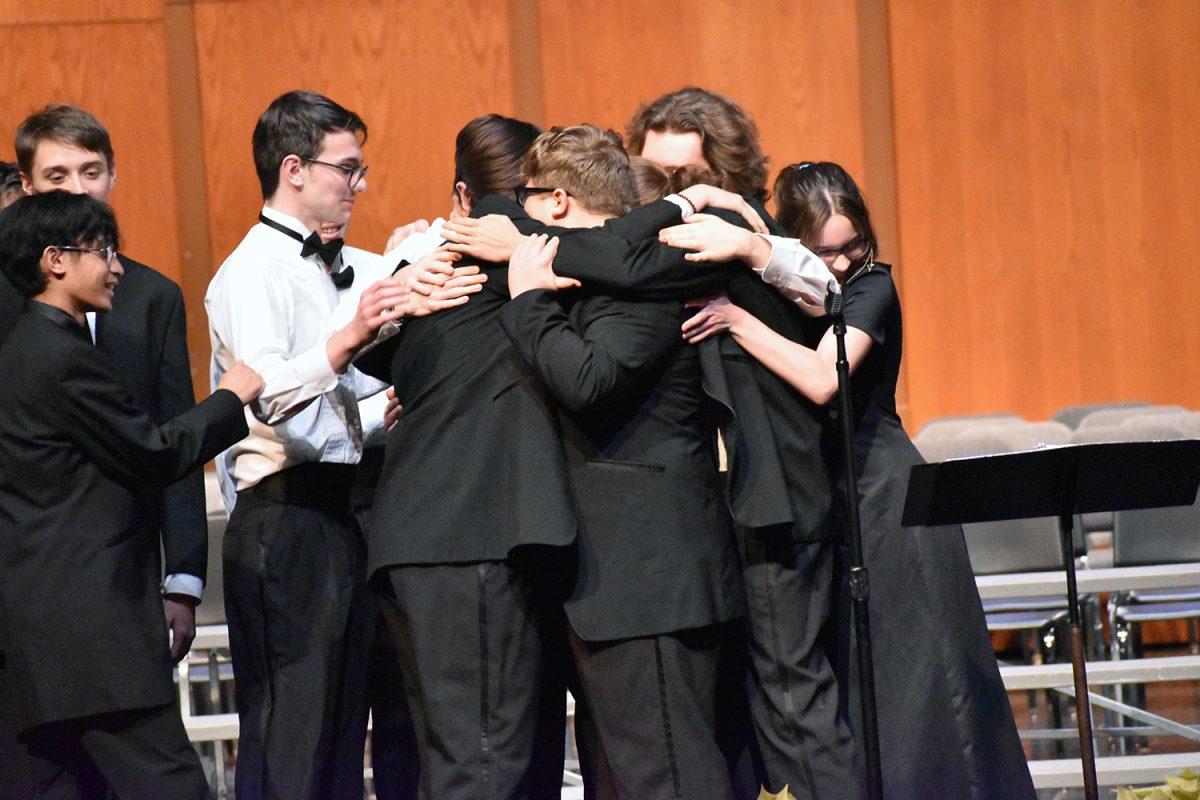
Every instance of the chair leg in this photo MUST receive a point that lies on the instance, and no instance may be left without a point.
(1023, 638)
(1048, 642)
(1139, 689)
(1118, 632)
(215, 707)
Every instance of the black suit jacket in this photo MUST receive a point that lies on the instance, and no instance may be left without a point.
(80, 615)
(775, 437)
(656, 553)
(777, 440)
(11, 305)
(145, 336)
(473, 468)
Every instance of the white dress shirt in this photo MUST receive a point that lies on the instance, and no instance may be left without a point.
(799, 274)
(416, 245)
(268, 306)
(368, 268)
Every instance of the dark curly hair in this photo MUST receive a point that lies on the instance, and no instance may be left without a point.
(729, 138)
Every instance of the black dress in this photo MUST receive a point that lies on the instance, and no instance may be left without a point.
(945, 724)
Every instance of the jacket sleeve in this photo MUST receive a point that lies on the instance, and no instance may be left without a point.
(622, 256)
(587, 368)
(109, 427)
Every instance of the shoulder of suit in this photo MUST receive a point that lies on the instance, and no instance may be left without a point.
(145, 277)
(37, 341)
(497, 204)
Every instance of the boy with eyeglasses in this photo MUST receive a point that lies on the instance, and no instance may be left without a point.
(87, 683)
(657, 573)
(294, 556)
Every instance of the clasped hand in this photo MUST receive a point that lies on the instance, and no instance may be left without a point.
(532, 267)
(716, 315)
(491, 238)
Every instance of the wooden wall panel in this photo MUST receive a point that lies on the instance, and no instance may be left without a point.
(1045, 172)
(792, 65)
(118, 71)
(416, 77)
(59, 12)
(1047, 191)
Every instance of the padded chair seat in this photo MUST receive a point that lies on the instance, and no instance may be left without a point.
(1152, 612)
(1024, 620)
(1179, 595)
(1046, 602)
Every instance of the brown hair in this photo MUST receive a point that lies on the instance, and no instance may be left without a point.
(488, 153)
(728, 137)
(654, 183)
(649, 180)
(589, 164)
(808, 193)
(62, 123)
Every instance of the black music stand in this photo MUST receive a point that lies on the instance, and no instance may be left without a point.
(1058, 481)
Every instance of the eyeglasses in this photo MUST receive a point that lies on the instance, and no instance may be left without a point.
(853, 250)
(354, 175)
(523, 193)
(108, 253)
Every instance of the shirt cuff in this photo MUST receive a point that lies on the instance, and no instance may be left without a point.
(182, 583)
(686, 209)
(797, 273)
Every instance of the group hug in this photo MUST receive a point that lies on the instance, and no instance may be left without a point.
(577, 435)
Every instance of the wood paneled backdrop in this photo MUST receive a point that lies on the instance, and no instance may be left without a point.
(1032, 165)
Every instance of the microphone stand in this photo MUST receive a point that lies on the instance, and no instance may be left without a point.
(860, 589)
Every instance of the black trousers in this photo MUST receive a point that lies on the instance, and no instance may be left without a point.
(299, 631)
(16, 780)
(142, 754)
(803, 739)
(483, 654)
(653, 706)
(394, 761)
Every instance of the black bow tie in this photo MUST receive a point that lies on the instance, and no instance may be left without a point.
(328, 251)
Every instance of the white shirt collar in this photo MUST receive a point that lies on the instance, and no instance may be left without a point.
(286, 220)
(291, 223)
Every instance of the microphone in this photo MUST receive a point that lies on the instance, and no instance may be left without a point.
(833, 299)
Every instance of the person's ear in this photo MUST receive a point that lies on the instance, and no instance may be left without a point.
(54, 262)
(26, 184)
(462, 199)
(561, 204)
(289, 170)
(112, 171)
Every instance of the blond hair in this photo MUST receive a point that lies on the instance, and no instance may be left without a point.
(587, 163)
